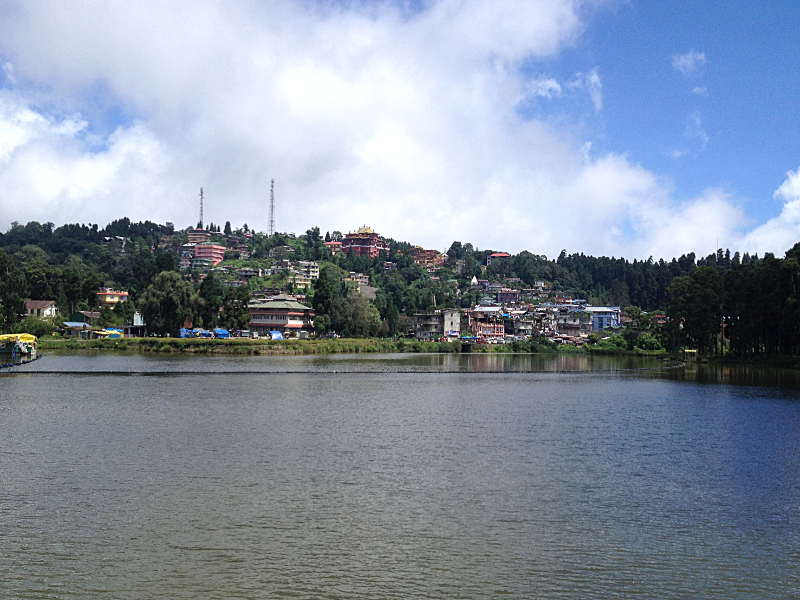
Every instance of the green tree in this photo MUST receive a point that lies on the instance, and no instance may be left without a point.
(36, 326)
(323, 294)
(704, 314)
(365, 320)
(13, 290)
(235, 310)
(167, 303)
(40, 276)
(125, 311)
(638, 325)
(211, 295)
(227, 230)
(80, 283)
(695, 309)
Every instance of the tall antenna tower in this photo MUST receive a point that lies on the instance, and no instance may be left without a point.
(272, 208)
(201, 208)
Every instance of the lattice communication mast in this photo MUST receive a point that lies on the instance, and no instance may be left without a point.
(272, 208)
(201, 208)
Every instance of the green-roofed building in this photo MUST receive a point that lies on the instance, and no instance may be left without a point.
(283, 314)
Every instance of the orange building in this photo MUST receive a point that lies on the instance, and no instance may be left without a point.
(426, 258)
(212, 252)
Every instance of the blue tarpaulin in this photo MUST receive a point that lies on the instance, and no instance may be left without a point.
(222, 333)
(276, 335)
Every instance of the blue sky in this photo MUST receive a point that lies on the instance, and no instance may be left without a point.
(747, 100)
(605, 127)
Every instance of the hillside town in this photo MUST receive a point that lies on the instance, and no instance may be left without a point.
(145, 279)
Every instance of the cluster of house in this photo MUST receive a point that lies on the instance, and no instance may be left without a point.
(506, 313)
(106, 298)
(200, 253)
(366, 242)
(82, 323)
(500, 322)
(505, 310)
(301, 273)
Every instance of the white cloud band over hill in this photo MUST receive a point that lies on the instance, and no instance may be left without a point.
(364, 113)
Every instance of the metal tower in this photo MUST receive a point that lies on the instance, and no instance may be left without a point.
(272, 209)
(201, 208)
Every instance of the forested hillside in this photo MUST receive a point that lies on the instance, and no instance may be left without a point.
(755, 298)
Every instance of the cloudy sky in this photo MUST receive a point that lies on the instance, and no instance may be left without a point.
(611, 127)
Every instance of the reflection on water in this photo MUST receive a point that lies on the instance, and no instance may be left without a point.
(395, 477)
(118, 362)
(733, 374)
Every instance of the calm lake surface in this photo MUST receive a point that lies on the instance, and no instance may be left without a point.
(399, 476)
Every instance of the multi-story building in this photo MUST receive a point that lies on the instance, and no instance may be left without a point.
(213, 252)
(334, 247)
(107, 297)
(358, 277)
(308, 268)
(603, 316)
(507, 296)
(364, 242)
(300, 281)
(198, 236)
(439, 323)
(487, 322)
(249, 272)
(574, 321)
(281, 314)
(201, 264)
(426, 258)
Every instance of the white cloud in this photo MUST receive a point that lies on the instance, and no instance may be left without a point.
(546, 88)
(591, 84)
(695, 131)
(689, 63)
(362, 114)
(595, 87)
(782, 232)
(700, 91)
(8, 69)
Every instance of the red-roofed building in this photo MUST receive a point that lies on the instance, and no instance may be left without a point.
(364, 242)
(110, 298)
(334, 247)
(496, 256)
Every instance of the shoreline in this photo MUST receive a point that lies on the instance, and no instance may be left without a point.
(245, 346)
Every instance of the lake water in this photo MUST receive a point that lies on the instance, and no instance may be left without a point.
(405, 476)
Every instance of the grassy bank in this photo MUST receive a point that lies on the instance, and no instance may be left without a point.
(248, 346)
